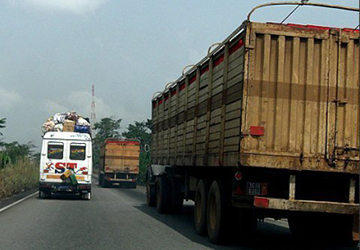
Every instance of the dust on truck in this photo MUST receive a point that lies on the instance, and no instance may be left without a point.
(119, 163)
(266, 125)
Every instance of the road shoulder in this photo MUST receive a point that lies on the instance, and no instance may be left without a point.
(16, 197)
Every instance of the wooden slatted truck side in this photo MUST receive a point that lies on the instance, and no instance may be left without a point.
(266, 125)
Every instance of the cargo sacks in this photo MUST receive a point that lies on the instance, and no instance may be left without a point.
(67, 122)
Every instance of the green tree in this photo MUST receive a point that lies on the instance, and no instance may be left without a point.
(142, 132)
(14, 151)
(107, 128)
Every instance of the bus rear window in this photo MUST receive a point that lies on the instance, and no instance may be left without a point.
(77, 151)
(55, 151)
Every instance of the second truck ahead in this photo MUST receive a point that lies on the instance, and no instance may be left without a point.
(119, 163)
(267, 125)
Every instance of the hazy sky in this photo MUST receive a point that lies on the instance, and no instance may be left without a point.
(52, 51)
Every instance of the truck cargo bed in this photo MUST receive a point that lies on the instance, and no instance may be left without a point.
(274, 95)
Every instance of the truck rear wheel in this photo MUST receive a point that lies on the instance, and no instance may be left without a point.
(101, 180)
(217, 219)
(163, 195)
(150, 195)
(177, 196)
(200, 207)
(150, 190)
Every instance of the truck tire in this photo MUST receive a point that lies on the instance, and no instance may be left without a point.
(217, 213)
(163, 195)
(150, 191)
(201, 196)
(150, 195)
(104, 183)
(177, 196)
(101, 180)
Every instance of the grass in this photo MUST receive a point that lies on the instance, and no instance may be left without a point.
(17, 177)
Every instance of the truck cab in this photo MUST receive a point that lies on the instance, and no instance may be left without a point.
(66, 164)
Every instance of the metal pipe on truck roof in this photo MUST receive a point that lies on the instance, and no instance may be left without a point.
(332, 6)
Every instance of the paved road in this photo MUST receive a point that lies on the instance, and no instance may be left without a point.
(118, 219)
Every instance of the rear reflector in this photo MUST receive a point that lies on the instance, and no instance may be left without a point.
(257, 131)
(46, 171)
(238, 176)
(261, 202)
(238, 191)
(85, 172)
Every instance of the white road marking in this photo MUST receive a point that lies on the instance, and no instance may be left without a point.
(17, 202)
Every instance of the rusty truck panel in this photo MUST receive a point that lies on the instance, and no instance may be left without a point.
(273, 95)
(302, 92)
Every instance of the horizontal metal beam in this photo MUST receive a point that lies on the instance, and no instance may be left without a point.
(306, 206)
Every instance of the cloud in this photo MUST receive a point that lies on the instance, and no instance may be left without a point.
(79, 101)
(52, 107)
(73, 6)
(8, 99)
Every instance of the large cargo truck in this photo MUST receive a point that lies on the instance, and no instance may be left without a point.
(266, 125)
(65, 164)
(119, 163)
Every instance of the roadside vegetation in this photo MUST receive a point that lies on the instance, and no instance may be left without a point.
(109, 128)
(19, 166)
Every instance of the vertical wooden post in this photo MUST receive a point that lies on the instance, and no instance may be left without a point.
(352, 190)
(208, 113)
(223, 103)
(196, 114)
(292, 187)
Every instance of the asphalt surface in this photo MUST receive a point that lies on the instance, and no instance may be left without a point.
(119, 219)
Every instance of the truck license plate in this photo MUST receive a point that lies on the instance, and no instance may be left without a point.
(256, 188)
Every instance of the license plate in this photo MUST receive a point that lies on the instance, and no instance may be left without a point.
(256, 188)
(62, 188)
